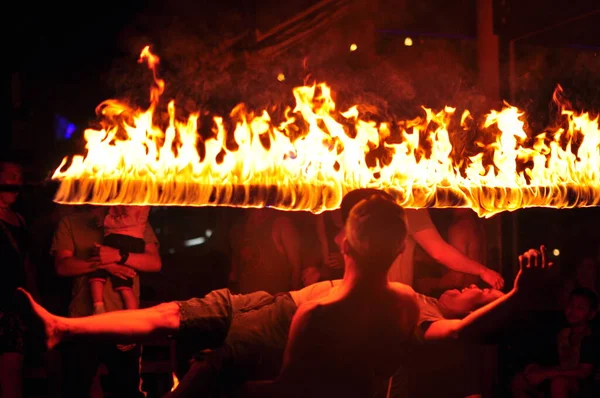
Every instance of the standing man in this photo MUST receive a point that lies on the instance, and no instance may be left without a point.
(78, 251)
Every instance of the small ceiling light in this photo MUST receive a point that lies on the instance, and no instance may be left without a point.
(281, 77)
(556, 252)
(353, 47)
(408, 42)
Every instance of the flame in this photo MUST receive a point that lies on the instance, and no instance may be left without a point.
(175, 382)
(317, 153)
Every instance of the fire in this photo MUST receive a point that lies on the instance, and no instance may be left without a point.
(175, 382)
(317, 153)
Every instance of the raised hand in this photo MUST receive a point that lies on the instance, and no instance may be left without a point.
(533, 273)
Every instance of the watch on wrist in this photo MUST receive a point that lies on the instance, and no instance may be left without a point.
(124, 256)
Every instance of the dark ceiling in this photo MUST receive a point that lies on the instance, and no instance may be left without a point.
(549, 22)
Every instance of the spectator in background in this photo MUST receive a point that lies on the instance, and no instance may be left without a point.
(266, 253)
(78, 252)
(55, 291)
(16, 272)
(573, 354)
(465, 234)
(585, 274)
(423, 232)
(328, 224)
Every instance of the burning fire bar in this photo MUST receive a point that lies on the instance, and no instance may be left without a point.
(316, 153)
(486, 201)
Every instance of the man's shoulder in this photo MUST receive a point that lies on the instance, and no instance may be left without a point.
(403, 290)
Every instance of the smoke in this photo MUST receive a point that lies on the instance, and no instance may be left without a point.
(220, 64)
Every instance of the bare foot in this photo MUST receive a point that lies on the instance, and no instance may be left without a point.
(43, 325)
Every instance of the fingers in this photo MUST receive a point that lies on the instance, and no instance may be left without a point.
(521, 258)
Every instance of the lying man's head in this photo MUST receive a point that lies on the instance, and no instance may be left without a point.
(458, 303)
(375, 232)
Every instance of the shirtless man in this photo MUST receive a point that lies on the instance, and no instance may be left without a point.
(346, 343)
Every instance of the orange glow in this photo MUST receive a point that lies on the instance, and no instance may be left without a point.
(317, 153)
(175, 382)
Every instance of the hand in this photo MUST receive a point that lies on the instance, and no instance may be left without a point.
(335, 261)
(120, 271)
(534, 267)
(492, 278)
(310, 275)
(105, 255)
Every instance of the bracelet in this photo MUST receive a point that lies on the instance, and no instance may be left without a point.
(124, 256)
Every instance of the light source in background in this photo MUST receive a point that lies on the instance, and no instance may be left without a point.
(199, 240)
(194, 242)
(353, 47)
(408, 42)
(63, 128)
(281, 77)
(556, 252)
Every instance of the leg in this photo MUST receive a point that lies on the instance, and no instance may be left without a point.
(563, 387)
(53, 362)
(124, 371)
(80, 366)
(11, 375)
(11, 355)
(521, 388)
(96, 291)
(124, 287)
(97, 280)
(197, 382)
(161, 320)
(128, 298)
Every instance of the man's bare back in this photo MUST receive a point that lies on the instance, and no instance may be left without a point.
(349, 341)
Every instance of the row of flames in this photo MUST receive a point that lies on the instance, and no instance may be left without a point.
(317, 154)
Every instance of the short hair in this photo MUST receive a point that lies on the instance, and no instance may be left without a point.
(353, 197)
(587, 294)
(375, 231)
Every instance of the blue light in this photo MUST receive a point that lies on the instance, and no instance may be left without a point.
(70, 130)
(63, 128)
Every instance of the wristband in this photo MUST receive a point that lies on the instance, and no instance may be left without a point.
(124, 256)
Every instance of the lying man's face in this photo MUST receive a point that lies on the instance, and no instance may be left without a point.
(458, 303)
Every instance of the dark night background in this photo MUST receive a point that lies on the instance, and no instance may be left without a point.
(64, 58)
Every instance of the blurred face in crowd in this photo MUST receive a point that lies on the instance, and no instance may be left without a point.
(10, 174)
(461, 302)
(579, 310)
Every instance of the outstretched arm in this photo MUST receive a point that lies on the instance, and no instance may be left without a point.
(534, 270)
(444, 253)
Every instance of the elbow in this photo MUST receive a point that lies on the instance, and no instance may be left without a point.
(156, 265)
